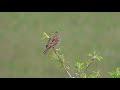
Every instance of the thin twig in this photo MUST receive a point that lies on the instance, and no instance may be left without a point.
(63, 64)
(87, 67)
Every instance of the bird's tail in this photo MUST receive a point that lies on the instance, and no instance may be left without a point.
(45, 51)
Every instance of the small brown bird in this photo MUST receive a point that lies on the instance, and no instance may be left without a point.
(52, 42)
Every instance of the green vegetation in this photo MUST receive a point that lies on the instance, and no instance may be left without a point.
(21, 45)
(81, 67)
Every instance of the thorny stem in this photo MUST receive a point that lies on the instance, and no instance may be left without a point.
(87, 66)
(62, 62)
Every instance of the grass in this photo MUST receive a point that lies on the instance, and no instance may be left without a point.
(81, 32)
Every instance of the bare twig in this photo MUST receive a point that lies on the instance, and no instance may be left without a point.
(62, 62)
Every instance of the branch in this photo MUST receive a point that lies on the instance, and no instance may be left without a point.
(87, 67)
(62, 62)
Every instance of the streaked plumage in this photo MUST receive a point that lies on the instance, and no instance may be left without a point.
(52, 42)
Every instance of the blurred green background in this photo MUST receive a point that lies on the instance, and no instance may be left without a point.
(81, 33)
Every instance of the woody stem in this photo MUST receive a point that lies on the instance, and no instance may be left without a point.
(62, 62)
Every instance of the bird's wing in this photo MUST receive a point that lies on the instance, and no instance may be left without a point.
(53, 41)
(48, 42)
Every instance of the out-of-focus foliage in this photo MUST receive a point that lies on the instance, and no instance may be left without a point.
(115, 74)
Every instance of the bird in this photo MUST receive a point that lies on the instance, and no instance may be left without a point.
(52, 42)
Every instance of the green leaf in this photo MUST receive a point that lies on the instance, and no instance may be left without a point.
(95, 74)
(117, 71)
(60, 66)
(45, 36)
(99, 58)
(91, 76)
(83, 75)
(95, 53)
(115, 74)
(90, 54)
(79, 65)
(94, 57)
(58, 49)
(52, 56)
(61, 57)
